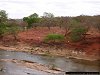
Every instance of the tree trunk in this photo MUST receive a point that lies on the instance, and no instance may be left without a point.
(15, 37)
(49, 27)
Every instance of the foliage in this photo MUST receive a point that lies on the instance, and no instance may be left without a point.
(73, 22)
(98, 27)
(54, 38)
(31, 19)
(25, 19)
(3, 16)
(96, 22)
(77, 33)
(48, 15)
(9, 28)
(13, 29)
(48, 19)
(35, 15)
(70, 25)
(2, 29)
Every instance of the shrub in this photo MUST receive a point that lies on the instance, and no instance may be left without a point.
(54, 38)
(13, 29)
(2, 29)
(77, 33)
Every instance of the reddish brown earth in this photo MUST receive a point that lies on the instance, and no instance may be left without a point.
(35, 37)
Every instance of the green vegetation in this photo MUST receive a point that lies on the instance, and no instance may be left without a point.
(70, 25)
(3, 16)
(6, 29)
(31, 20)
(2, 29)
(77, 34)
(3, 19)
(48, 20)
(75, 27)
(54, 38)
(13, 29)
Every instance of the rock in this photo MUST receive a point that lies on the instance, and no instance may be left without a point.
(37, 48)
(6, 45)
(28, 73)
(53, 71)
(2, 69)
(57, 69)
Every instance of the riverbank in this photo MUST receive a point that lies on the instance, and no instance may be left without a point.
(32, 41)
(34, 65)
(51, 51)
(48, 51)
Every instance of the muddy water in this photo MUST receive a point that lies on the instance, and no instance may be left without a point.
(61, 62)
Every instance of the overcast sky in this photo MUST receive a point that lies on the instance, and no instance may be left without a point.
(22, 8)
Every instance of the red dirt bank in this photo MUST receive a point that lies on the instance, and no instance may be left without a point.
(35, 37)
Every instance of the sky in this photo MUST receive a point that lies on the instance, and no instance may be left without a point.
(24, 8)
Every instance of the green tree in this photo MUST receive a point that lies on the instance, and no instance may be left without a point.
(25, 19)
(3, 16)
(31, 19)
(3, 19)
(69, 24)
(77, 34)
(13, 29)
(35, 15)
(2, 29)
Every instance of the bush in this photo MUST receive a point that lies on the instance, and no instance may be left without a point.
(54, 38)
(13, 29)
(2, 29)
(77, 33)
(9, 28)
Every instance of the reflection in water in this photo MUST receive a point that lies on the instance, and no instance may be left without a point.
(61, 62)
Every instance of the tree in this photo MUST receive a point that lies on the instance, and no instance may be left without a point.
(31, 19)
(48, 15)
(35, 15)
(77, 34)
(48, 19)
(3, 19)
(13, 29)
(3, 16)
(96, 22)
(98, 27)
(69, 23)
(25, 19)
(2, 29)
(59, 21)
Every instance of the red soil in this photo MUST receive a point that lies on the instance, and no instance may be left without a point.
(35, 36)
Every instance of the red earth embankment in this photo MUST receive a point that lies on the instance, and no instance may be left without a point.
(91, 45)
